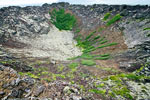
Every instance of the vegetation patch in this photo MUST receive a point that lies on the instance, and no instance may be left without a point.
(107, 69)
(106, 16)
(62, 20)
(113, 20)
(148, 28)
(88, 62)
(73, 65)
(28, 74)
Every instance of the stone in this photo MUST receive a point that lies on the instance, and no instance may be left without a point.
(2, 93)
(66, 89)
(14, 93)
(77, 98)
(39, 90)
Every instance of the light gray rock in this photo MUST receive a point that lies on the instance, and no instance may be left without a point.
(39, 90)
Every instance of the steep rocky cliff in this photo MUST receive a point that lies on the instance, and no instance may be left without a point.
(22, 26)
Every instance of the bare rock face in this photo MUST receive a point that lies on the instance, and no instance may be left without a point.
(135, 58)
(16, 21)
(134, 33)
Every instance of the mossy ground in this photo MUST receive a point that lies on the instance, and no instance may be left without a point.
(110, 85)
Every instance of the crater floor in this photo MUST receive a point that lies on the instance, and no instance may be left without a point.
(56, 45)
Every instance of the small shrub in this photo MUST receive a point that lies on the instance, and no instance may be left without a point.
(62, 20)
(148, 28)
(148, 35)
(73, 65)
(113, 20)
(88, 62)
(86, 56)
(106, 16)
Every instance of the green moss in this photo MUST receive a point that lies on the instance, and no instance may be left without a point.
(70, 75)
(72, 82)
(124, 92)
(21, 73)
(60, 68)
(53, 76)
(45, 73)
(100, 85)
(133, 77)
(83, 75)
(73, 70)
(60, 75)
(31, 75)
(115, 78)
(39, 74)
(82, 87)
(8, 62)
(110, 93)
(98, 91)
(47, 79)
(88, 62)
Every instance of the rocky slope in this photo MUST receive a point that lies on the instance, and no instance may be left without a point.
(20, 24)
(29, 21)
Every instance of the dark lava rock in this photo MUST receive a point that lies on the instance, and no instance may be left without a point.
(2, 94)
(135, 58)
(12, 83)
(10, 61)
(124, 13)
